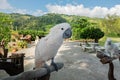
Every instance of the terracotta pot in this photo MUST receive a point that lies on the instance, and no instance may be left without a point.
(14, 50)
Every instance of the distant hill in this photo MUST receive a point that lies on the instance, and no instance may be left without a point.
(21, 21)
(109, 25)
(41, 22)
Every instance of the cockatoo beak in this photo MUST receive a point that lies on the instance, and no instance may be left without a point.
(67, 33)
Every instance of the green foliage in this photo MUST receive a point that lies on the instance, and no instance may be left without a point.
(5, 25)
(28, 22)
(51, 19)
(91, 33)
(77, 25)
(33, 33)
(22, 44)
(111, 24)
(76, 33)
(80, 23)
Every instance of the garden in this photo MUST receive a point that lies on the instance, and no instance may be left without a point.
(19, 35)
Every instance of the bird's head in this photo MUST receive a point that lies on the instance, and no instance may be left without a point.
(62, 29)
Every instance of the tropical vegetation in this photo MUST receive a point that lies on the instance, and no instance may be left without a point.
(82, 27)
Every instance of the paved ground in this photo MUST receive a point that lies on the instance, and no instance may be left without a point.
(78, 65)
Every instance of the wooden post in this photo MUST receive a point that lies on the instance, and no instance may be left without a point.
(14, 66)
(32, 74)
(5, 54)
(111, 71)
(104, 59)
(5, 51)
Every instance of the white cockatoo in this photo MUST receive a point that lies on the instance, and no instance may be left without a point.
(46, 49)
(111, 49)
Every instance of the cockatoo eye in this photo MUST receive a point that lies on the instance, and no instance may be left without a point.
(62, 28)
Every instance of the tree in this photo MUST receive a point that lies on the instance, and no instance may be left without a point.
(5, 25)
(78, 25)
(91, 33)
(111, 23)
(76, 33)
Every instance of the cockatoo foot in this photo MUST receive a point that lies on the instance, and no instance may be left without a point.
(48, 69)
(55, 66)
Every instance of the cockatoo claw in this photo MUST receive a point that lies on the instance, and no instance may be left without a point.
(48, 69)
(55, 66)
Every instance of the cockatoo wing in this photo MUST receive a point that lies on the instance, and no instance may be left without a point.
(46, 49)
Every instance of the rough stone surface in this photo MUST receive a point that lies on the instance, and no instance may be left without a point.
(78, 65)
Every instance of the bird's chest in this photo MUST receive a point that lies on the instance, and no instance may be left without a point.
(47, 49)
(51, 48)
(55, 45)
(110, 47)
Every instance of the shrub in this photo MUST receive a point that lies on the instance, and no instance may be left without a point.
(5, 25)
(76, 33)
(33, 33)
(91, 33)
(22, 44)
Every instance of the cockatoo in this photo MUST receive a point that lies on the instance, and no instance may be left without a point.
(46, 49)
(111, 49)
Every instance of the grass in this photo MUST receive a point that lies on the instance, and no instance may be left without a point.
(114, 39)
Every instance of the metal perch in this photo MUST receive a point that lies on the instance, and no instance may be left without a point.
(33, 74)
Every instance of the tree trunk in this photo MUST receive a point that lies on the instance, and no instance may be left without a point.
(111, 71)
(96, 40)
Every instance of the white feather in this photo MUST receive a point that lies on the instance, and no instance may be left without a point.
(48, 46)
(111, 50)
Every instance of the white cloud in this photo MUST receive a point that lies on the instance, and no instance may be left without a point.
(38, 13)
(98, 12)
(83, 11)
(21, 11)
(7, 8)
(70, 9)
(5, 5)
(25, 11)
(115, 10)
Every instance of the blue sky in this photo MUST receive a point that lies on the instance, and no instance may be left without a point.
(90, 8)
